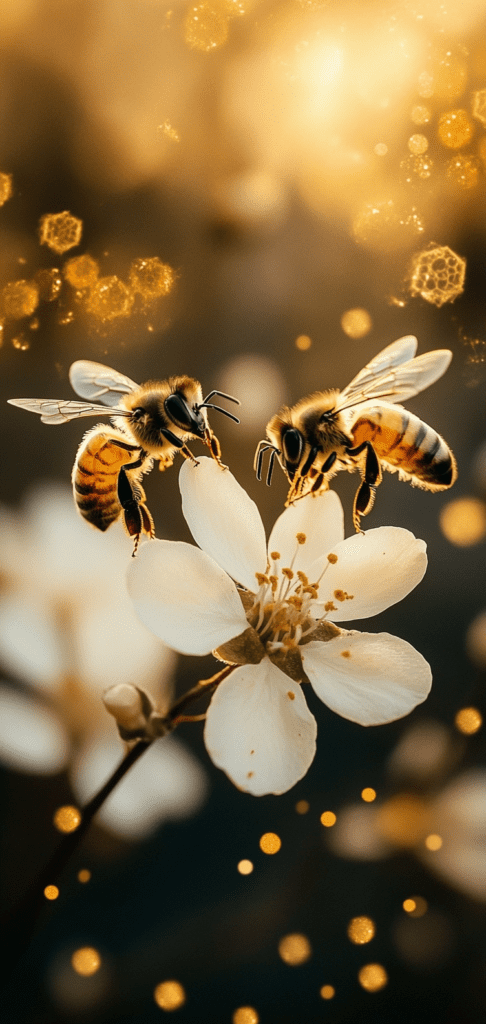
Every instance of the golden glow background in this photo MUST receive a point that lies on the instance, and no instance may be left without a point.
(262, 195)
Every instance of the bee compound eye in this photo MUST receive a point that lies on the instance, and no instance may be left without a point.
(180, 413)
(292, 445)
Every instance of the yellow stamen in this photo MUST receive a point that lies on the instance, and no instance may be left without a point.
(261, 578)
(274, 582)
(332, 558)
(301, 538)
(312, 591)
(288, 573)
(330, 607)
(275, 555)
(303, 578)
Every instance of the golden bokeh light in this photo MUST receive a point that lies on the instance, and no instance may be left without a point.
(403, 820)
(60, 231)
(328, 819)
(67, 818)
(328, 992)
(449, 74)
(303, 343)
(302, 806)
(418, 144)
(51, 892)
(81, 272)
(245, 867)
(6, 187)
(86, 961)
(463, 169)
(425, 85)
(414, 167)
(463, 521)
(49, 283)
(468, 721)
(437, 275)
(169, 995)
(109, 299)
(361, 930)
(420, 114)
(295, 949)
(384, 227)
(84, 875)
(205, 27)
(368, 794)
(433, 842)
(20, 342)
(479, 105)
(356, 322)
(270, 842)
(415, 906)
(151, 278)
(245, 1015)
(19, 299)
(381, 149)
(372, 977)
(455, 129)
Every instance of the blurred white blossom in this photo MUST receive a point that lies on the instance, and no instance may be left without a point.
(68, 631)
(279, 624)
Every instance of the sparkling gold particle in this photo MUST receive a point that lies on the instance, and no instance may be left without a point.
(6, 187)
(368, 795)
(170, 132)
(84, 875)
(20, 343)
(381, 149)
(403, 820)
(67, 818)
(302, 806)
(328, 992)
(34, 324)
(295, 949)
(414, 167)
(455, 129)
(420, 114)
(49, 283)
(479, 105)
(418, 144)
(464, 170)
(245, 1015)
(205, 27)
(433, 842)
(437, 275)
(382, 226)
(109, 299)
(270, 842)
(151, 278)
(245, 867)
(51, 892)
(463, 521)
(468, 721)
(356, 322)
(372, 977)
(169, 995)
(328, 819)
(415, 906)
(361, 930)
(81, 272)
(303, 343)
(60, 231)
(86, 961)
(19, 299)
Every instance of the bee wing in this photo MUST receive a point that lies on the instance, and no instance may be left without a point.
(95, 381)
(392, 374)
(53, 410)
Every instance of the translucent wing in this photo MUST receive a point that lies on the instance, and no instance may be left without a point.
(394, 375)
(95, 381)
(52, 410)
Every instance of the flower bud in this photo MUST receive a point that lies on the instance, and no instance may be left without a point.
(131, 708)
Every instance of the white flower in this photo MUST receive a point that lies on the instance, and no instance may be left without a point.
(67, 632)
(278, 624)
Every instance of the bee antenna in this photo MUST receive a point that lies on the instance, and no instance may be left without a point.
(207, 405)
(220, 394)
(271, 462)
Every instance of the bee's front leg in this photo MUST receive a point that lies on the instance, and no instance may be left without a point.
(214, 447)
(370, 478)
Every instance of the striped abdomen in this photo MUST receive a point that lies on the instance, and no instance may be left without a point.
(95, 476)
(404, 443)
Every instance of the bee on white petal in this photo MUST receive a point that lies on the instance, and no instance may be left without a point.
(360, 428)
(151, 423)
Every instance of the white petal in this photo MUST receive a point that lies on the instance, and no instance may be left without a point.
(32, 739)
(183, 597)
(166, 782)
(30, 644)
(320, 518)
(260, 731)
(369, 678)
(223, 520)
(375, 569)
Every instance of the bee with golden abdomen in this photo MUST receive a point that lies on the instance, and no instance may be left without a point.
(359, 428)
(151, 422)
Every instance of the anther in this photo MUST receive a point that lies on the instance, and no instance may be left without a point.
(312, 591)
(332, 558)
(261, 578)
(301, 538)
(275, 555)
(303, 578)
(288, 573)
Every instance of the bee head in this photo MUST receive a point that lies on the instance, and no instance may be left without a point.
(185, 415)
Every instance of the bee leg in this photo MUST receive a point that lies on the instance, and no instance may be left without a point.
(370, 478)
(136, 517)
(214, 447)
(184, 450)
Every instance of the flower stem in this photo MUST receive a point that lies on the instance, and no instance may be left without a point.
(21, 921)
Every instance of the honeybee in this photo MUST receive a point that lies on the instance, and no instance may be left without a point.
(151, 422)
(356, 429)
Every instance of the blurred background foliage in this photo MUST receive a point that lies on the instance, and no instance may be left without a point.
(262, 195)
